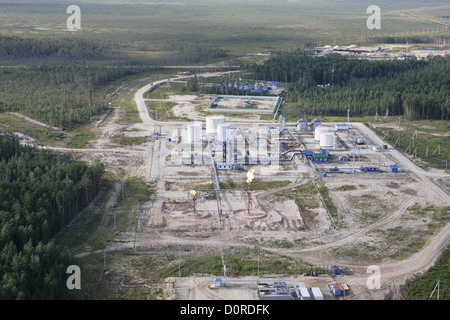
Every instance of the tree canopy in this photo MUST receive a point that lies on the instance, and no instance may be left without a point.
(40, 193)
(418, 89)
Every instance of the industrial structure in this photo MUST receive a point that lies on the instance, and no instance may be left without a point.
(326, 149)
(270, 289)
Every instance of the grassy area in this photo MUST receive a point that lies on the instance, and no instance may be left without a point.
(12, 123)
(164, 91)
(75, 138)
(161, 110)
(141, 274)
(94, 228)
(256, 185)
(246, 262)
(416, 137)
(107, 222)
(79, 137)
(332, 209)
(400, 241)
(346, 187)
(422, 287)
(306, 195)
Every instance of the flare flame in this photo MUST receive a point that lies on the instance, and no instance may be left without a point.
(250, 175)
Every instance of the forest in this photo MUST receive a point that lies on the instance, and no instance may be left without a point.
(20, 48)
(40, 193)
(61, 81)
(328, 86)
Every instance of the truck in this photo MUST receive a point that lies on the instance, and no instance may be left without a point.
(335, 269)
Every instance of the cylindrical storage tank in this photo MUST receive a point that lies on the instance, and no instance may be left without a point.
(223, 132)
(327, 140)
(317, 134)
(319, 131)
(302, 125)
(212, 123)
(194, 132)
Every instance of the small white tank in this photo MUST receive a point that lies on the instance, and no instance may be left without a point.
(223, 132)
(327, 140)
(194, 132)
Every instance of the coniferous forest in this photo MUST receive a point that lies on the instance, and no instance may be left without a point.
(328, 86)
(40, 192)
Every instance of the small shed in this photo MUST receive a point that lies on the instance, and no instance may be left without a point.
(335, 289)
(320, 157)
(393, 169)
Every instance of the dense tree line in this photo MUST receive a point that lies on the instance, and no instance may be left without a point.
(20, 48)
(418, 89)
(40, 193)
(61, 95)
(425, 39)
(61, 81)
(196, 53)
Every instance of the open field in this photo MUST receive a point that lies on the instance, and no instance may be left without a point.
(426, 142)
(236, 27)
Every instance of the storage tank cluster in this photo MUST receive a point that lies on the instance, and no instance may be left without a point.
(325, 136)
(216, 129)
(212, 122)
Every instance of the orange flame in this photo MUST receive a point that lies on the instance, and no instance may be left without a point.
(193, 192)
(250, 175)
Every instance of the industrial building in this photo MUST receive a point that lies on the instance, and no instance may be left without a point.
(231, 146)
(269, 289)
(274, 291)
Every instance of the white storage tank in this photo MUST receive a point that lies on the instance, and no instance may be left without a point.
(317, 293)
(223, 132)
(212, 122)
(194, 132)
(319, 131)
(327, 140)
(302, 125)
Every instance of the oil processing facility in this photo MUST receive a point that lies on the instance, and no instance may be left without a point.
(224, 151)
(326, 148)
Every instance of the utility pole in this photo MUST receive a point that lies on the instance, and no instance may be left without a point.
(348, 115)
(436, 286)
